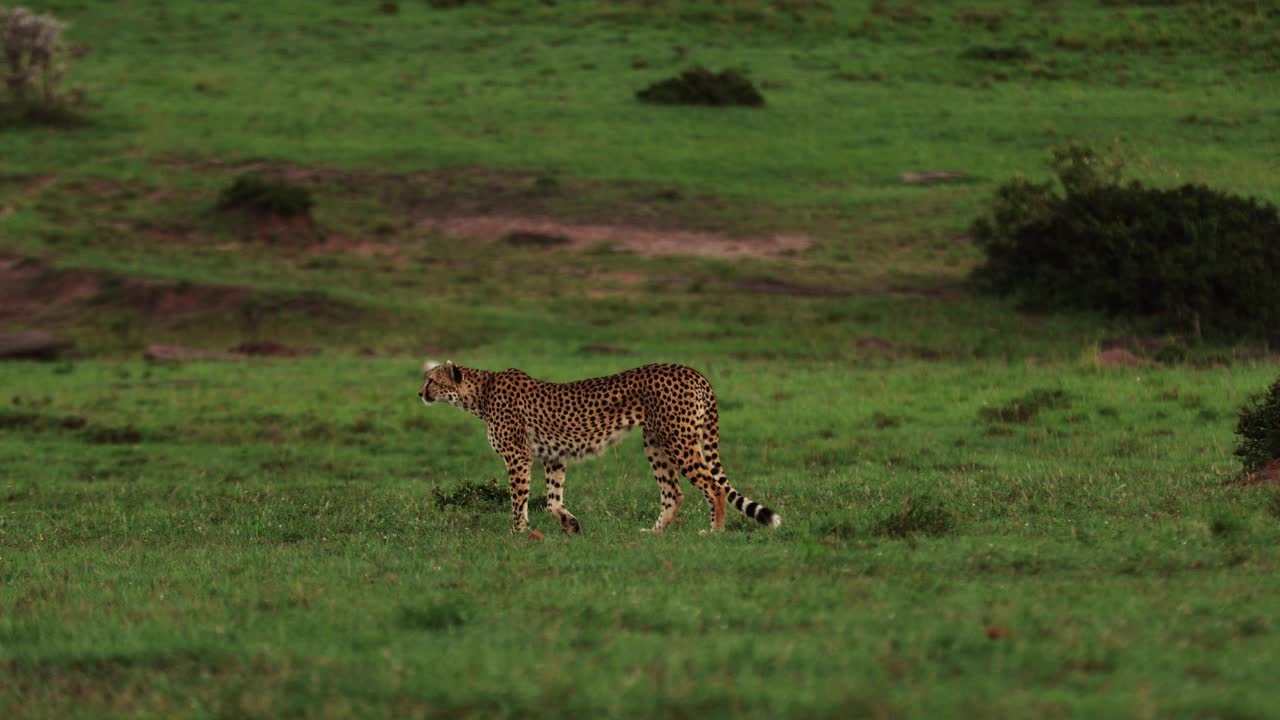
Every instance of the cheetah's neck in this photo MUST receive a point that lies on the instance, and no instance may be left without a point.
(477, 403)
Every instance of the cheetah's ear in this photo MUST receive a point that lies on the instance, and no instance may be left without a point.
(454, 372)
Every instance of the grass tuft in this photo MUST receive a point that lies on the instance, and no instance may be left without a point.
(472, 495)
(920, 514)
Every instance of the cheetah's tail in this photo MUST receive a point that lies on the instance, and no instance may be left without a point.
(752, 509)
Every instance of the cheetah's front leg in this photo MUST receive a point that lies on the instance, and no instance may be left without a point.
(518, 474)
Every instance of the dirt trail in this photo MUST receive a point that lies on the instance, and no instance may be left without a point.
(638, 240)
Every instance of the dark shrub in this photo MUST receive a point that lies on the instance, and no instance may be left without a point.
(996, 54)
(266, 196)
(700, 86)
(1192, 256)
(1258, 430)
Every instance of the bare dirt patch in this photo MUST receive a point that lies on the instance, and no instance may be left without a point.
(624, 238)
(346, 245)
(32, 290)
(1119, 357)
(539, 209)
(27, 285)
(34, 345)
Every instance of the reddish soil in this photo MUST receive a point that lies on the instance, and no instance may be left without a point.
(1269, 475)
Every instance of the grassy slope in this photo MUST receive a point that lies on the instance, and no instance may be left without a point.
(857, 96)
(260, 539)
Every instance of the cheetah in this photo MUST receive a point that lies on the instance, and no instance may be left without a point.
(555, 423)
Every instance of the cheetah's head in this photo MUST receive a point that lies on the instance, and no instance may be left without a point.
(444, 383)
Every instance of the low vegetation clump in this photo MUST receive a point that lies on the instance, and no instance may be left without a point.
(1258, 430)
(265, 196)
(1025, 409)
(699, 86)
(1192, 257)
(920, 514)
(472, 494)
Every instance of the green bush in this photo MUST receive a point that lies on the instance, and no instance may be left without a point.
(1191, 257)
(1258, 430)
(266, 196)
(699, 86)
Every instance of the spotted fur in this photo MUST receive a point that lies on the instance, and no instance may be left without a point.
(555, 423)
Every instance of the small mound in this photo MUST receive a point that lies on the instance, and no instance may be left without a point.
(33, 345)
(699, 86)
(525, 238)
(267, 348)
(265, 196)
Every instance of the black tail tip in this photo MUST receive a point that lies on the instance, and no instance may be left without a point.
(765, 516)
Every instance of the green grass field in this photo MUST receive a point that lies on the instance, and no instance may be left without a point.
(980, 519)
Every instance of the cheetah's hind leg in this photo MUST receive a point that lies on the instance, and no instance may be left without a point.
(554, 470)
